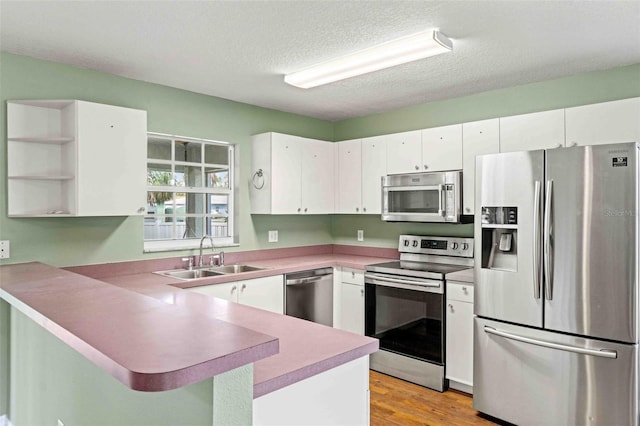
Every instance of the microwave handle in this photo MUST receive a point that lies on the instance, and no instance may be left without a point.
(442, 201)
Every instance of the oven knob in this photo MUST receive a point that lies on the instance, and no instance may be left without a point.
(465, 246)
(454, 246)
(415, 243)
(406, 243)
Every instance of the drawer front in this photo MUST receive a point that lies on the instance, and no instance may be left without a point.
(352, 276)
(460, 291)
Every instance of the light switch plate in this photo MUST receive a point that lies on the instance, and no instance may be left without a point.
(273, 236)
(360, 235)
(4, 249)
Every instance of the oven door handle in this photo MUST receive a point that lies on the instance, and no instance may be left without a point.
(426, 286)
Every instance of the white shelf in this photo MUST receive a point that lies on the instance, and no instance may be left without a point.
(43, 214)
(43, 139)
(42, 177)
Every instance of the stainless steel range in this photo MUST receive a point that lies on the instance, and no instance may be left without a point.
(404, 307)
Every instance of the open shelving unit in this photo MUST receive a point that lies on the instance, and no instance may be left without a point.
(42, 156)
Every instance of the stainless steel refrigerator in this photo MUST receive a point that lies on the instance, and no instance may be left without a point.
(556, 298)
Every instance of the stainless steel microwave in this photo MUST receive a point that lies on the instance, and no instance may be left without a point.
(422, 197)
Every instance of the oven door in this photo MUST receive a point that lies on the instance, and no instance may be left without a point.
(406, 315)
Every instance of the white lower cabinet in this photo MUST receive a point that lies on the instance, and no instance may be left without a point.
(265, 293)
(352, 301)
(459, 341)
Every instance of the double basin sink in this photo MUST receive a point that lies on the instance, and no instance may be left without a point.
(194, 274)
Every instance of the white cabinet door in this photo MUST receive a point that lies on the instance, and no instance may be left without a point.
(607, 122)
(478, 138)
(349, 184)
(317, 177)
(286, 171)
(459, 342)
(528, 132)
(265, 293)
(112, 156)
(404, 152)
(226, 291)
(442, 148)
(352, 308)
(374, 166)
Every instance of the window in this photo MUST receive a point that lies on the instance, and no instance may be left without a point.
(190, 192)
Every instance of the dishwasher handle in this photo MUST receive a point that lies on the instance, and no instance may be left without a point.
(307, 280)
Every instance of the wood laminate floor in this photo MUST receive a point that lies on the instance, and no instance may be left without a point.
(395, 402)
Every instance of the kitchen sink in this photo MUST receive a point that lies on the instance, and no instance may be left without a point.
(194, 274)
(185, 274)
(235, 269)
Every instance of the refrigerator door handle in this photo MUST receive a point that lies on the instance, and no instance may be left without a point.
(548, 266)
(537, 276)
(604, 353)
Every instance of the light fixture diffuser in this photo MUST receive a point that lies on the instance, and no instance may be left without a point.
(395, 52)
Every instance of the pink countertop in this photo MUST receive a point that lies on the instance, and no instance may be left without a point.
(146, 344)
(306, 348)
(146, 331)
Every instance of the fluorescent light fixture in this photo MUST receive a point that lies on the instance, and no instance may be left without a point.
(395, 52)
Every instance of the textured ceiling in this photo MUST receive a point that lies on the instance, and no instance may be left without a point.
(240, 50)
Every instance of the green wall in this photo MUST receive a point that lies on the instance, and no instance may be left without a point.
(51, 381)
(600, 86)
(77, 241)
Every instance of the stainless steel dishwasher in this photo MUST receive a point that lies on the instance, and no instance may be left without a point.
(309, 295)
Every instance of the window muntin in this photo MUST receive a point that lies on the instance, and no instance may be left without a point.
(190, 191)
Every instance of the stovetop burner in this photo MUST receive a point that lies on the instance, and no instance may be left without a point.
(428, 257)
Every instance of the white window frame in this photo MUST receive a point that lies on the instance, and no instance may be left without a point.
(180, 244)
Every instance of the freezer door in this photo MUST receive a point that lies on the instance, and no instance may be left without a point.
(528, 384)
(508, 255)
(592, 241)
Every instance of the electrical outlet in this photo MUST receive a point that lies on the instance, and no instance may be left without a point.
(273, 236)
(4, 249)
(360, 235)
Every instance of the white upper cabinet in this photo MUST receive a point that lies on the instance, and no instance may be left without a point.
(112, 175)
(442, 148)
(291, 175)
(317, 177)
(75, 158)
(607, 122)
(374, 166)
(478, 138)
(528, 132)
(349, 184)
(404, 152)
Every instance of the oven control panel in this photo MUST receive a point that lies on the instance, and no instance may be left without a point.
(448, 246)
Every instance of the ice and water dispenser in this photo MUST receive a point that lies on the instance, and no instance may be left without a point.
(500, 238)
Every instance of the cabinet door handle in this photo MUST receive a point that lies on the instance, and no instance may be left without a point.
(305, 209)
(357, 209)
(362, 292)
(464, 289)
(299, 209)
(244, 286)
(417, 167)
(450, 307)
(426, 167)
(234, 288)
(364, 209)
(141, 210)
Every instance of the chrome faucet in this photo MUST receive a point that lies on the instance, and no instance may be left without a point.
(200, 259)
